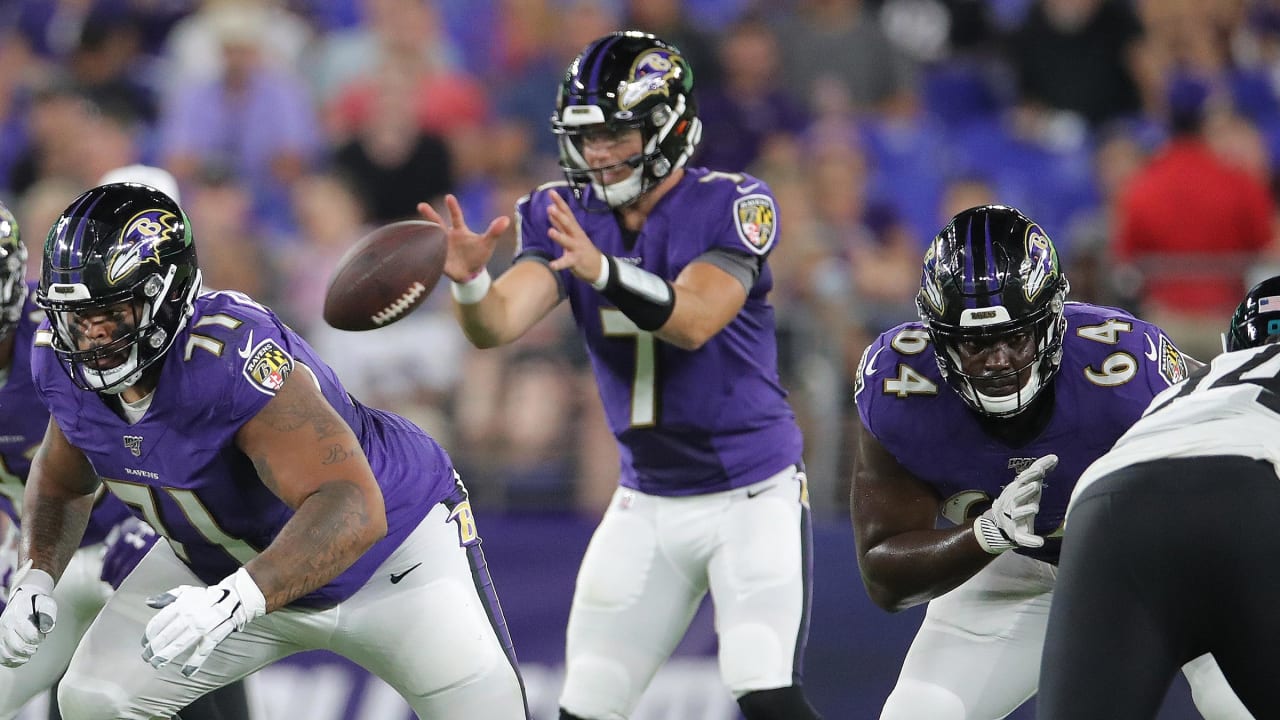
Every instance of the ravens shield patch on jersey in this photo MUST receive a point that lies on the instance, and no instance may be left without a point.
(267, 366)
(1173, 365)
(757, 221)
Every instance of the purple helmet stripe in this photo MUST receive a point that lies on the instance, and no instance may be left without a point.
(593, 63)
(75, 250)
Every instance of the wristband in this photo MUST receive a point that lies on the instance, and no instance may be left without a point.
(28, 575)
(601, 282)
(473, 290)
(645, 298)
(990, 536)
(252, 601)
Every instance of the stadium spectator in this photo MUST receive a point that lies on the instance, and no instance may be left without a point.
(1191, 223)
(672, 20)
(444, 97)
(254, 122)
(749, 108)
(836, 48)
(1077, 56)
(389, 158)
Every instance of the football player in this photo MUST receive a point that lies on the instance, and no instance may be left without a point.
(664, 267)
(83, 590)
(985, 412)
(1165, 536)
(295, 517)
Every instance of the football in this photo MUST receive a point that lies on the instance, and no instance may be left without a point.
(386, 275)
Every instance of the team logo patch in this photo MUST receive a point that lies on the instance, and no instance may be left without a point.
(134, 444)
(1173, 365)
(142, 241)
(757, 221)
(1043, 260)
(649, 75)
(267, 366)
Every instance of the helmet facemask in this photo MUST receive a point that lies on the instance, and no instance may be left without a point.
(140, 334)
(1046, 330)
(13, 273)
(992, 276)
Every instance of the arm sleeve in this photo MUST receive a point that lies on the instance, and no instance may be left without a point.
(743, 267)
(532, 242)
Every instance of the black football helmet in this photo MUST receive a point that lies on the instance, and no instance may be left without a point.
(993, 273)
(627, 80)
(13, 272)
(1257, 319)
(114, 244)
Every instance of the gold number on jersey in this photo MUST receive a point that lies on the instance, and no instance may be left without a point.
(208, 342)
(143, 498)
(735, 178)
(910, 342)
(1108, 332)
(909, 382)
(644, 398)
(230, 322)
(1117, 369)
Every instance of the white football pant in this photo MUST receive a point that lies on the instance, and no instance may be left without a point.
(429, 636)
(977, 653)
(647, 568)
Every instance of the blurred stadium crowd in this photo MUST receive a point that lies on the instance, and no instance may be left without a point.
(1143, 135)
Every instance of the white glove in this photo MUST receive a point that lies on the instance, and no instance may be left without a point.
(1010, 521)
(28, 618)
(195, 619)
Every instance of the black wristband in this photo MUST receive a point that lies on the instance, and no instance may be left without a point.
(642, 296)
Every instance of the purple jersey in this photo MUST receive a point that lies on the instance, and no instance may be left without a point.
(23, 419)
(178, 467)
(686, 422)
(1112, 366)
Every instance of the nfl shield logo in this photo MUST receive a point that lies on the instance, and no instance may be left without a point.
(134, 443)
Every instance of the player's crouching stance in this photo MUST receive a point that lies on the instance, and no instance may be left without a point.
(297, 518)
(986, 412)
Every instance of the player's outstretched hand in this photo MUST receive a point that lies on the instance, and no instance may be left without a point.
(29, 616)
(193, 620)
(1010, 521)
(580, 256)
(469, 251)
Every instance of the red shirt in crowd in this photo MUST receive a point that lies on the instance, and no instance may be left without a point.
(1192, 223)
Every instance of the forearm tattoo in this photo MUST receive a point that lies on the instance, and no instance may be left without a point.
(327, 535)
(53, 533)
